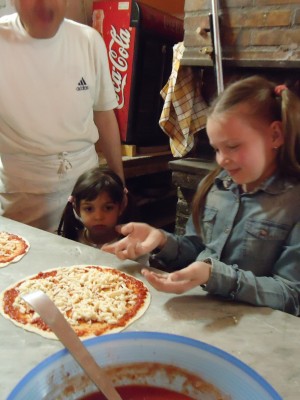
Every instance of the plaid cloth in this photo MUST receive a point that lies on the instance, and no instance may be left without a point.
(184, 110)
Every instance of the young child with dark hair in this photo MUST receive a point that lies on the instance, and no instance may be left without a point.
(99, 201)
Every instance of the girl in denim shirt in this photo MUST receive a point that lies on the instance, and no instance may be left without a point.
(243, 238)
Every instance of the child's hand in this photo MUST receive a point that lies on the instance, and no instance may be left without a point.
(181, 281)
(139, 239)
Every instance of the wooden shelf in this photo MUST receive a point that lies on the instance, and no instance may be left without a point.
(142, 165)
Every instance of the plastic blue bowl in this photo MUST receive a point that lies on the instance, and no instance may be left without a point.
(53, 377)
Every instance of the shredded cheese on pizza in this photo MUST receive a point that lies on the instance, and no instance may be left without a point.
(8, 245)
(82, 294)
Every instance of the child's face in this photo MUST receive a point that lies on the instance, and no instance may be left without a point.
(99, 215)
(246, 151)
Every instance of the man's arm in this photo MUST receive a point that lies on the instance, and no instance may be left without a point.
(109, 142)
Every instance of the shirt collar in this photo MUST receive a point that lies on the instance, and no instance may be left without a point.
(23, 33)
(273, 185)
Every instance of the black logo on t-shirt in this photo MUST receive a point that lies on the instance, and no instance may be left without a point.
(82, 85)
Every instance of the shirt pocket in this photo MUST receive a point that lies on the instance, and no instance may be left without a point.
(263, 240)
(208, 222)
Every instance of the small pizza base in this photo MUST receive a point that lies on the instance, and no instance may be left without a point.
(83, 326)
(24, 250)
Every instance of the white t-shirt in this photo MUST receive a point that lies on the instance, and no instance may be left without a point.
(50, 87)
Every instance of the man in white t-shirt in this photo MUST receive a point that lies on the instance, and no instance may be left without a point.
(56, 103)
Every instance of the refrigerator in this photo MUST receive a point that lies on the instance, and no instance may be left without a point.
(139, 41)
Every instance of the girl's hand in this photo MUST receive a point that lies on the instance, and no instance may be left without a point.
(139, 239)
(178, 282)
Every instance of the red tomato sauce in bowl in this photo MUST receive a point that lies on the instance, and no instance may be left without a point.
(140, 392)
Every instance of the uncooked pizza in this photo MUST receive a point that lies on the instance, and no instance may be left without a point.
(95, 300)
(12, 248)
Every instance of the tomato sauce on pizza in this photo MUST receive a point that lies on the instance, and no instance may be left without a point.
(12, 248)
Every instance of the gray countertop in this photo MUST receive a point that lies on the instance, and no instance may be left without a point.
(265, 339)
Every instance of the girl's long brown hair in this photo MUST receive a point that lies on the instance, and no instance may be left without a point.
(258, 94)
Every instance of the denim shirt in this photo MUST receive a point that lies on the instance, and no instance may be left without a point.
(252, 240)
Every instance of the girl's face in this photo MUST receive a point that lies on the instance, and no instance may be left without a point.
(100, 216)
(41, 18)
(246, 149)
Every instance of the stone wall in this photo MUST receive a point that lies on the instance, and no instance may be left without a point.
(253, 32)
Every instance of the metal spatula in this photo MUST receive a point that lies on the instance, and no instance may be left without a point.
(51, 315)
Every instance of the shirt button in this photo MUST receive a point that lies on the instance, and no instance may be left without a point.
(263, 233)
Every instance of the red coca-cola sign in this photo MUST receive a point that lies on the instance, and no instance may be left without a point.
(112, 20)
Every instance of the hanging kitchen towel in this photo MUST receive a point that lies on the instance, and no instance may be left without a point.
(184, 110)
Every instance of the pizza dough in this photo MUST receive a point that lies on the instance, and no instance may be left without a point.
(94, 299)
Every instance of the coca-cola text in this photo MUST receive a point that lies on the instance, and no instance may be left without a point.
(118, 56)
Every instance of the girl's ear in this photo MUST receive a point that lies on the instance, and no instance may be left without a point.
(276, 134)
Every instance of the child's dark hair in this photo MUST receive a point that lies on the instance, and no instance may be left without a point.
(88, 186)
(262, 103)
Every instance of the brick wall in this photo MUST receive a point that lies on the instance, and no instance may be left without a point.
(253, 32)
